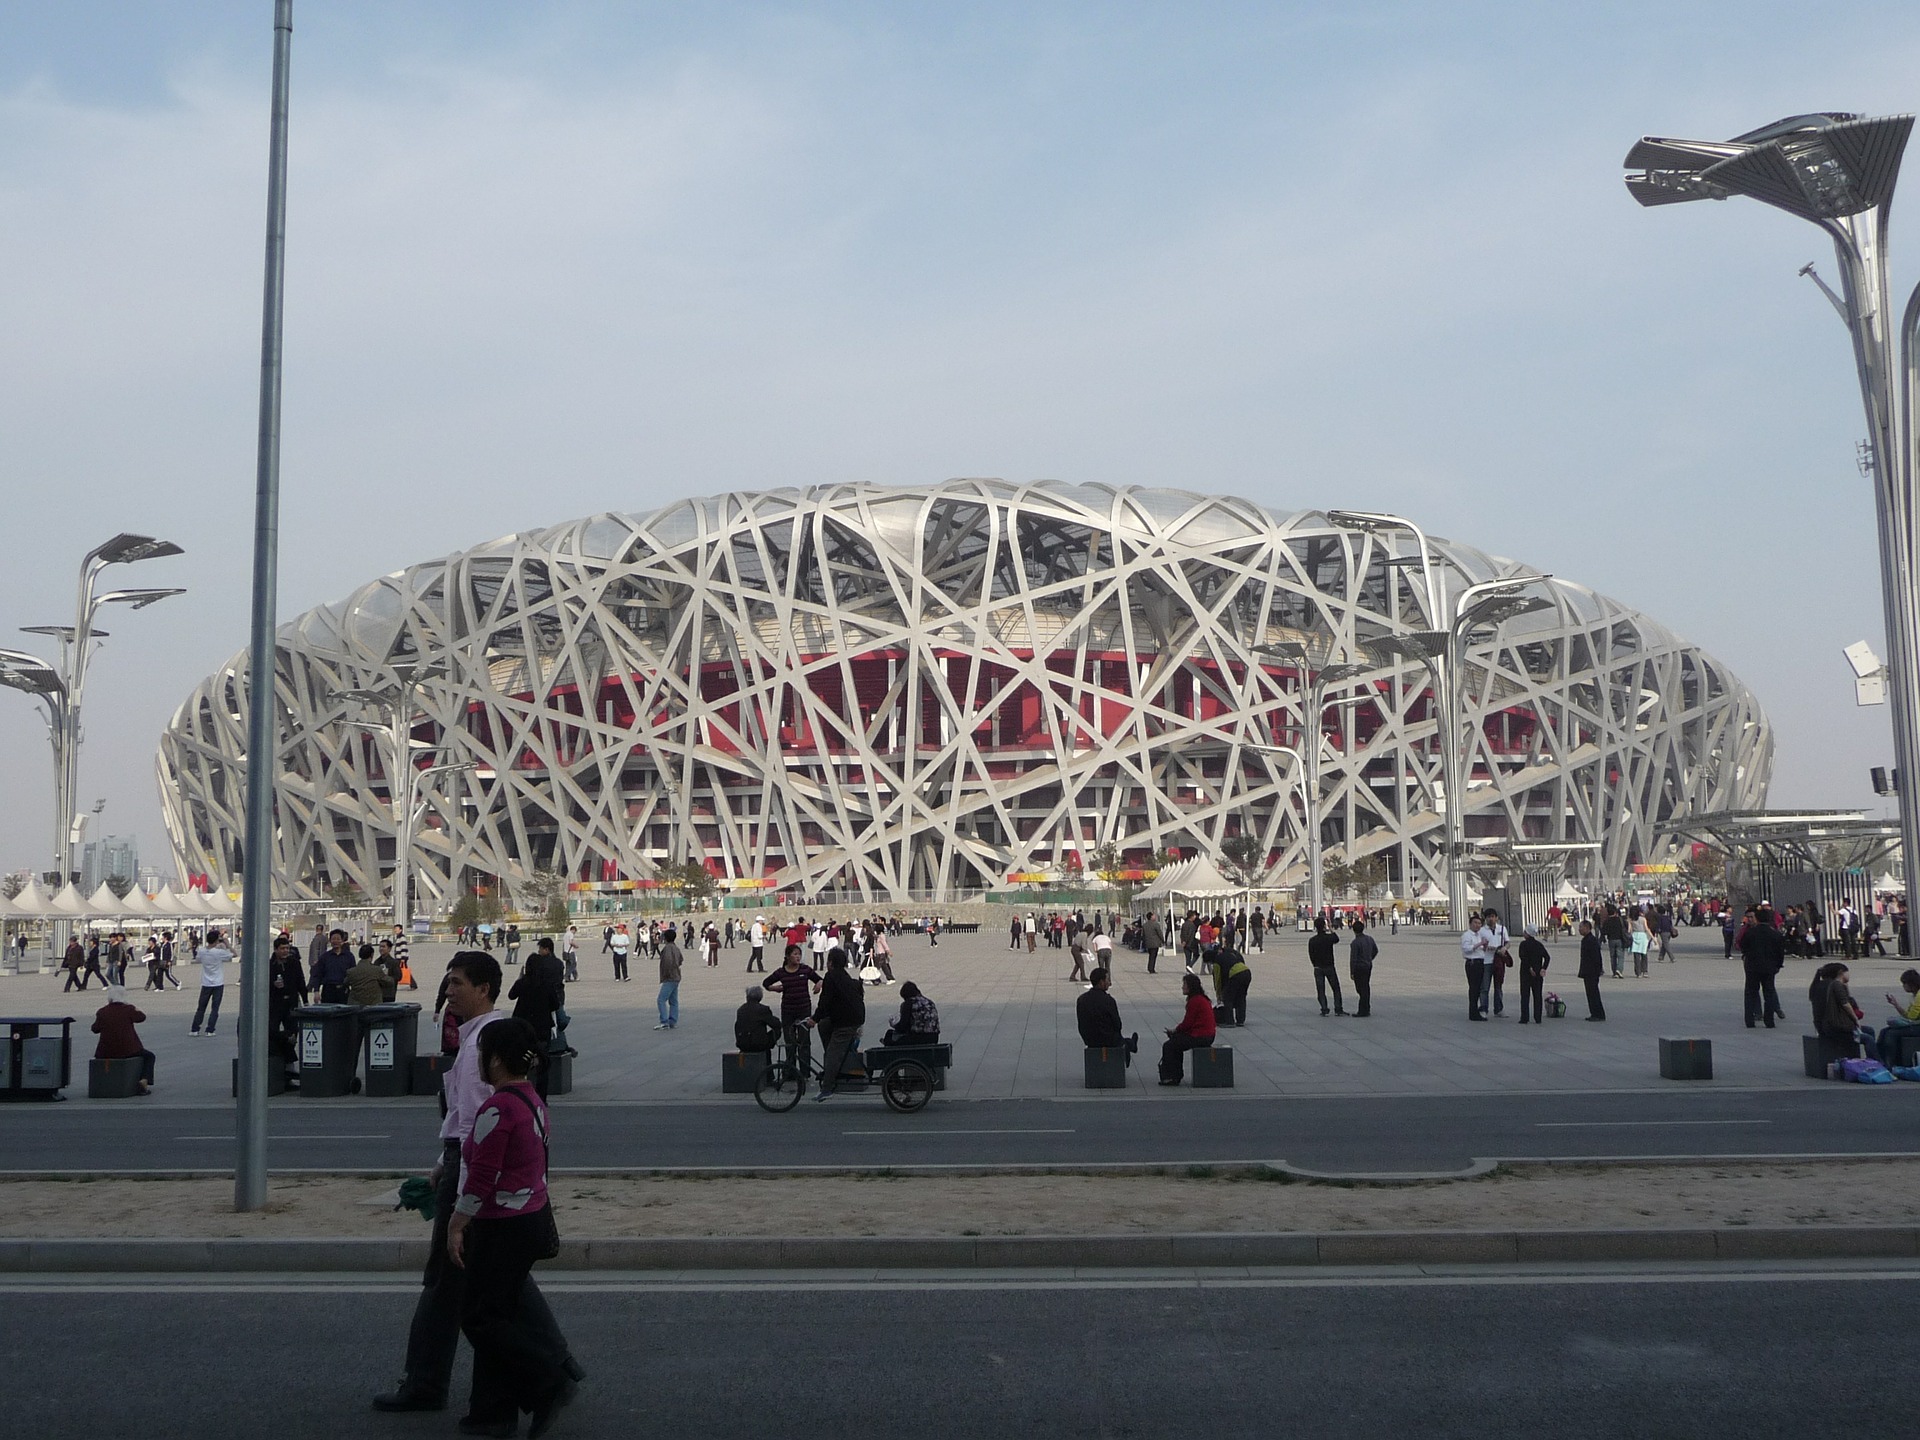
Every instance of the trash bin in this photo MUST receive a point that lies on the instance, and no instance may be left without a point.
(329, 1048)
(36, 1066)
(391, 1033)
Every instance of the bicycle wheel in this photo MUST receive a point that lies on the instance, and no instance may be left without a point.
(906, 1086)
(779, 1088)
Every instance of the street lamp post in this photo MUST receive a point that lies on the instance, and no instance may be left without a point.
(63, 688)
(395, 703)
(1838, 171)
(1442, 650)
(1307, 757)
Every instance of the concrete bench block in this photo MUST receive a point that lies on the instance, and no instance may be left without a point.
(1818, 1052)
(1907, 1048)
(1686, 1059)
(1212, 1068)
(113, 1079)
(428, 1073)
(1107, 1067)
(559, 1075)
(276, 1076)
(739, 1069)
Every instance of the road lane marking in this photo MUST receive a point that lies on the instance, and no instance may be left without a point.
(289, 1137)
(917, 1133)
(1633, 1124)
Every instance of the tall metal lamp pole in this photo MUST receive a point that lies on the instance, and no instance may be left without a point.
(1838, 171)
(263, 759)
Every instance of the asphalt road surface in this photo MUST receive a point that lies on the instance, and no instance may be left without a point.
(1601, 1353)
(1363, 1135)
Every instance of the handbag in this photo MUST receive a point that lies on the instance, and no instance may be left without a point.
(547, 1243)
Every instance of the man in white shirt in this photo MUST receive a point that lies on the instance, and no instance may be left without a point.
(757, 944)
(1473, 949)
(473, 985)
(622, 945)
(1497, 940)
(213, 957)
(570, 952)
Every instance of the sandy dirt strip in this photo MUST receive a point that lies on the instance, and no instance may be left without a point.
(1560, 1197)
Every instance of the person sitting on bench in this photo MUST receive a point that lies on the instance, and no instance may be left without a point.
(114, 1023)
(1194, 1032)
(1906, 1020)
(1099, 1017)
(755, 1030)
(919, 1022)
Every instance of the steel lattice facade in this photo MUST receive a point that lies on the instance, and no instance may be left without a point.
(916, 692)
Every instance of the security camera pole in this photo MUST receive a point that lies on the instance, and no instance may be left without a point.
(263, 757)
(1838, 171)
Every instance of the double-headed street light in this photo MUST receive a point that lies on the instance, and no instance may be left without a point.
(1442, 650)
(1838, 171)
(1307, 757)
(395, 704)
(62, 688)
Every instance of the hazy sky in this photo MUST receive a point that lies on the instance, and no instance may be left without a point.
(550, 259)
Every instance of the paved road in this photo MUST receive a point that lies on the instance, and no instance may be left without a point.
(1480, 1354)
(1369, 1134)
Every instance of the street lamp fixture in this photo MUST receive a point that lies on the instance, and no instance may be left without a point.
(1837, 170)
(1440, 650)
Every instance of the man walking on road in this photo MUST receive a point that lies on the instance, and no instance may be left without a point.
(757, 944)
(472, 988)
(670, 962)
(1591, 967)
(1153, 939)
(1762, 953)
(1474, 943)
(1321, 955)
(213, 957)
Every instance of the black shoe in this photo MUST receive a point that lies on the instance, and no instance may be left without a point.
(1750, 1024)
(1133, 1048)
(408, 1398)
(548, 1410)
(1325, 1013)
(1169, 1082)
(575, 1371)
(503, 1429)
(1769, 1024)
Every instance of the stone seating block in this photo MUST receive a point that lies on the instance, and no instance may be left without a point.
(1818, 1052)
(113, 1079)
(740, 1068)
(276, 1076)
(1686, 1059)
(1107, 1067)
(559, 1075)
(1212, 1068)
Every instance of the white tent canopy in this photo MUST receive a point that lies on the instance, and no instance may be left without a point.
(220, 903)
(1567, 890)
(69, 902)
(1198, 878)
(30, 902)
(165, 902)
(1432, 895)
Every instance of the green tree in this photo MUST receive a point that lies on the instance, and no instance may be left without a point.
(690, 880)
(345, 892)
(466, 911)
(557, 917)
(1246, 858)
(12, 885)
(541, 887)
(119, 885)
(1106, 861)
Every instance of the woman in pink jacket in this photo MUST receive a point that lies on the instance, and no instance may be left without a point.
(502, 1223)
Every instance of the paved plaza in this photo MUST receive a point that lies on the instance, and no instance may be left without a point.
(1009, 1016)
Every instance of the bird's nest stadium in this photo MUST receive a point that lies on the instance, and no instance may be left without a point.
(897, 693)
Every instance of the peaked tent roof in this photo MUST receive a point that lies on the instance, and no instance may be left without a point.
(31, 900)
(1432, 895)
(1198, 878)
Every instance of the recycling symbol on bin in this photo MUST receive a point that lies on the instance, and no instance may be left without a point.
(380, 1056)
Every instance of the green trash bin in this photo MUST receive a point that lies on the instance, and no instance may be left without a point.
(329, 1040)
(391, 1030)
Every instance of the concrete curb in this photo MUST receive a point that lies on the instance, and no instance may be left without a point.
(994, 1252)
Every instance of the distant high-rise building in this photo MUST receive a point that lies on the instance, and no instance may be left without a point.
(104, 858)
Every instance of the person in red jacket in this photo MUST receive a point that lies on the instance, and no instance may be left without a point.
(118, 1039)
(1194, 1032)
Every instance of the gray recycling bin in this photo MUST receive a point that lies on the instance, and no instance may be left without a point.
(329, 1040)
(391, 1030)
(36, 1066)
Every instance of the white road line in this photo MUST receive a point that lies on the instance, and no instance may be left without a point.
(915, 1134)
(289, 1137)
(1374, 1277)
(1633, 1124)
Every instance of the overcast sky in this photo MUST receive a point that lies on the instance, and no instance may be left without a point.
(550, 259)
